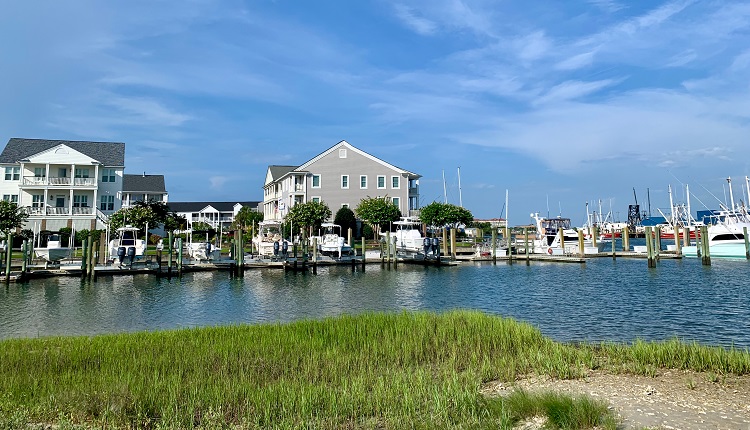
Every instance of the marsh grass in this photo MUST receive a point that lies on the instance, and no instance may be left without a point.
(416, 370)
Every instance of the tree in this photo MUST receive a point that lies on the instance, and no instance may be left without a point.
(246, 218)
(11, 217)
(346, 219)
(376, 211)
(151, 213)
(440, 215)
(201, 228)
(308, 215)
(175, 222)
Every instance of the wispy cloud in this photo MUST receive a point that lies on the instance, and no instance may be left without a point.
(609, 6)
(415, 22)
(576, 62)
(572, 90)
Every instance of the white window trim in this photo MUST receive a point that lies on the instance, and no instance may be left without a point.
(345, 205)
(312, 198)
(342, 152)
(385, 184)
(320, 181)
(399, 182)
(397, 199)
(342, 182)
(360, 182)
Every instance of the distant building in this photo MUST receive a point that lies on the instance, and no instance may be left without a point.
(139, 188)
(63, 183)
(341, 176)
(219, 215)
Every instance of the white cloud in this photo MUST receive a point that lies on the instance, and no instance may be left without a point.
(609, 6)
(572, 90)
(416, 23)
(217, 182)
(576, 62)
(532, 46)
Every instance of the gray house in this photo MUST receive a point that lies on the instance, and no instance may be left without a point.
(341, 176)
(141, 188)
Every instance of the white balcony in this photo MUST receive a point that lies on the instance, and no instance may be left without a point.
(41, 181)
(56, 211)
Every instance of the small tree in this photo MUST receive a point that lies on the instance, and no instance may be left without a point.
(308, 215)
(11, 217)
(441, 215)
(346, 219)
(141, 214)
(246, 218)
(376, 211)
(174, 222)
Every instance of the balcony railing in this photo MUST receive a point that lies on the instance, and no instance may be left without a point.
(55, 211)
(60, 182)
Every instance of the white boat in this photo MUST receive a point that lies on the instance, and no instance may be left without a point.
(554, 236)
(200, 250)
(726, 238)
(54, 251)
(330, 242)
(269, 241)
(408, 235)
(126, 245)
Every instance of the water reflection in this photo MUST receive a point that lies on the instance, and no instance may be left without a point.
(600, 300)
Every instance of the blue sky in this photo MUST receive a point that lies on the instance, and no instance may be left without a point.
(558, 102)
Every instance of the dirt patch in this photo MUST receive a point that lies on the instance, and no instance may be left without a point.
(671, 400)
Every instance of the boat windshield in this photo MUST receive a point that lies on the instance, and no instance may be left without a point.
(128, 238)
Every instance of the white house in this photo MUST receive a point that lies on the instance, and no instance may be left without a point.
(219, 215)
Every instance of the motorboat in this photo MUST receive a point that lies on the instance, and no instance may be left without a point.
(726, 237)
(408, 235)
(269, 240)
(126, 244)
(554, 236)
(201, 250)
(54, 251)
(330, 242)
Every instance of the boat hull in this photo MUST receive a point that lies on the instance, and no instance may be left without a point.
(724, 250)
(52, 254)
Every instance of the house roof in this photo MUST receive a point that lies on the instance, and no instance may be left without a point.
(348, 145)
(143, 183)
(107, 153)
(199, 206)
(279, 171)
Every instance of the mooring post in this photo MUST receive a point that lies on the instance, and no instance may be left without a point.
(657, 241)
(494, 245)
(678, 239)
(526, 246)
(562, 240)
(395, 252)
(686, 237)
(388, 246)
(179, 256)
(747, 243)
(24, 250)
(445, 241)
(508, 240)
(8, 257)
(650, 248)
(453, 243)
(92, 258)
(581, 244)
(625, 239)
(706, 247)
(84, 254)
(595, 236)
(364, 251)
(614, 239)
(169, 253)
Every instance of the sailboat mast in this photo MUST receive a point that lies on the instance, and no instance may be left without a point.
(671, 206)
(506, 210)
(687, 192)
(445, 193)
(731, 196)
(460, 199)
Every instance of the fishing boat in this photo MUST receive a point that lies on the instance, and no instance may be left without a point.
(269, 241)
(554, 236)
(726, 238)
(54, 251)
(201, 250)
(126, 244)
(330, 242)
(408, 236)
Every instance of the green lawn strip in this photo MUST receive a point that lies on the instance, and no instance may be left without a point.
(419, 370)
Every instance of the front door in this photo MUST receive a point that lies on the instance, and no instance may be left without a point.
(60, 202)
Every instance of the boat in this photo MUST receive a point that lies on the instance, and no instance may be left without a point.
(330, 242)
(126, 244)
(554, 236)
(54, 251)
(201, 250)
(269, 241)
(726, 237)
(408, 236)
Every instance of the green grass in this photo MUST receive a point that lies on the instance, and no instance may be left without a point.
(408, 370)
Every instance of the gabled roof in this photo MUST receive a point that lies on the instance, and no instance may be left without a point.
(199, 206)
(349, 146)
(279, 171)
(107, 153)
(143, 183)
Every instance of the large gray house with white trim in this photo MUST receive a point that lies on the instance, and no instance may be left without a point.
(340, 176)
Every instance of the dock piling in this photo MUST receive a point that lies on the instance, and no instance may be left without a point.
(747, 243)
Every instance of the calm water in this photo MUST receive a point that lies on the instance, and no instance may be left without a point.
(601, 300)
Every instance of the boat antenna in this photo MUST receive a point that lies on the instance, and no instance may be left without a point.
(547, 205)
(445, 193)
(687, 193)
(506, 211)
(648, 197)
(460, 200)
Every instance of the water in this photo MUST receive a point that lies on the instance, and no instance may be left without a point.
(600, 300)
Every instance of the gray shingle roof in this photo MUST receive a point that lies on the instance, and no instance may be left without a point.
(144, 183)
(107, 153)
(198, 206)
(279, 171)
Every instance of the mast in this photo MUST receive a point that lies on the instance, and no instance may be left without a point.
(648, 196)
(460, 200)
(506, 210)
(445, 193)
(687, 191)
(671, 206)
(731, 196)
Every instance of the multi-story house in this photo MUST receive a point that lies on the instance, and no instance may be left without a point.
(140, 188)
(341, 176)
(219, 215)
(63, 183)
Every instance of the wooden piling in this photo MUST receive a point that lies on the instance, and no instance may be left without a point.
(8, 257)
(494, 245)
(445, 241)
(562, 240)
(678, 240)
(580, 243)
(25, 251)
(84, 255)
(170, 247)
(706, 259)
(614, 239)
(526, 245)
(747, 243)
(650, 247)
(595, 236)
(179, 256)
(626, 239)
(657, 240)
(388, 246)
(364, 251)
(453, 243)
(686, 235)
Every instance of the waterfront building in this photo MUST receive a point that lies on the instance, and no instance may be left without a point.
(63, 183)
(340, 176)
(219, 215)
(139, 188)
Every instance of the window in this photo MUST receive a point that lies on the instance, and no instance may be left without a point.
(345, 181)
(108, 175)
(396, 202)
(80, 201)
(12, 173)
(37, 201)
(82, 173)
(342, 153)
(315, 199)
(107, 203)
(10, 198)
(40, 172)
(62, 172)
(316, 181)
(381, 182)
(363, 182)
(395, 182)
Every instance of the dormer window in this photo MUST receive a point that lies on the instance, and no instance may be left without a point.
(342, 153)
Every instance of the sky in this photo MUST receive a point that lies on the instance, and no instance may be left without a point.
(559, 103)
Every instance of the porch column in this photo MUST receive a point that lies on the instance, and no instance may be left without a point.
(96, 189)
(70, 204)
